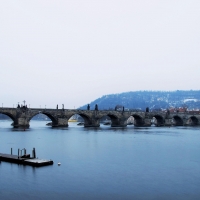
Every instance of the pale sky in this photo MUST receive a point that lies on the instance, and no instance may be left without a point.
(74, 51)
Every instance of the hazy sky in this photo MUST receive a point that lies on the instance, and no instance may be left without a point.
(74, 51)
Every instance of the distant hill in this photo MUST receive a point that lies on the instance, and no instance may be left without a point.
(155, 100)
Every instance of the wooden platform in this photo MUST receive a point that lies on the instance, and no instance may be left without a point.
(25, 161)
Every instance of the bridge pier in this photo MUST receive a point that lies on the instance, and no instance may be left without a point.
(21, 122)
(92, 123)
(120, 122)
(60, 122)
(146, 122)
(168, 121)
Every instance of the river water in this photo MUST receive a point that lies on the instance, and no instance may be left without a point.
(102, 163)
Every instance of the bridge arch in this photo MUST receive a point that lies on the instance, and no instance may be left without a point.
(49, 115)
(9, 115)
(113, 118)
(86, 118)
(159, 120)
(193, 121)
(177, 120)
(138, 120)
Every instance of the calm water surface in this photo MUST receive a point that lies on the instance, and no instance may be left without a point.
(103, 163)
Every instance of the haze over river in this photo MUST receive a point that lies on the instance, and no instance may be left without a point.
(102, 163)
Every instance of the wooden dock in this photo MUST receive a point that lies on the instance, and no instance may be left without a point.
(25, 160)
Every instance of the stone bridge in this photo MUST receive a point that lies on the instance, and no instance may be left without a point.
(21, 117)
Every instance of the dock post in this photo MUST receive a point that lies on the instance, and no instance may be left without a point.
(18, 152)
(11, 151)
(34, 154)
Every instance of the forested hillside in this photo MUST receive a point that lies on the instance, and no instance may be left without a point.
(152, 99)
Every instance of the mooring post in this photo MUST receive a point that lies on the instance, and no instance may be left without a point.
(18, 152)
(34, 154)
(11, 151)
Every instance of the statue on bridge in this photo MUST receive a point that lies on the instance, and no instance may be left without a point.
(96, 107)
(168, 112)
(57, 106)
(88, 107)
